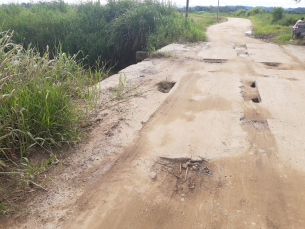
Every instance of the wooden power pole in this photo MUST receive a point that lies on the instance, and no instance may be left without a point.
(187, 8)
(218, 10)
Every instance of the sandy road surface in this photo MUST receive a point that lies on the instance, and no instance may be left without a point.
(244, 115)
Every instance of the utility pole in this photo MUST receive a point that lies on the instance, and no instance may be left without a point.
(187, 8)
(218, 10)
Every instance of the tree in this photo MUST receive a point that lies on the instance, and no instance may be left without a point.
(277, 14)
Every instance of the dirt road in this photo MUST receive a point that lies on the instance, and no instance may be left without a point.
(225, 149)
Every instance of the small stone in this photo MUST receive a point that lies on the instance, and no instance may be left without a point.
(184, 166)
(182, 199)
(153, 175)
(194, 167)
(262, 151)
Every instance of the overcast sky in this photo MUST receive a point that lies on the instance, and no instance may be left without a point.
(276, 3)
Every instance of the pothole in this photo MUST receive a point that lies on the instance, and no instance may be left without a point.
(165, 86)
(271, 64)
(182, 175)
(215, 61)
(255, 100)
(243, 54)
(179, 167)
(250, 92)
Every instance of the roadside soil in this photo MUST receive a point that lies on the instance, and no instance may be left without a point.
(223, 149)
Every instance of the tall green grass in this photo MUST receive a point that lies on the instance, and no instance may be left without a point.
(43, 103)
(174, 29)
(41, 99)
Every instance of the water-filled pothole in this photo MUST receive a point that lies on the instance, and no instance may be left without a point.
(165, 86)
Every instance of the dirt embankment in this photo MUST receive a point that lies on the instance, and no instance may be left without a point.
(223, 149)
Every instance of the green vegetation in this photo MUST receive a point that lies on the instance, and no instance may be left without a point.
(240, 13)
(279, 31)
(254, 11)
(277, 14)
(109, 33)
(36, 98)
(205, 19)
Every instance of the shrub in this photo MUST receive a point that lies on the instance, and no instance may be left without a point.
(240, 13)
(174, 28)
(254, 11)
(277, 14)
(290, 21)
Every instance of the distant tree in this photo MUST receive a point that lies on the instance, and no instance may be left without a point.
(277, 14)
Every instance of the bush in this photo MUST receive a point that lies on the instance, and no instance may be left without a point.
(254, 11)
(277, 14)
(290, 21)
(240, 13)
(174, 28)
(128, 32)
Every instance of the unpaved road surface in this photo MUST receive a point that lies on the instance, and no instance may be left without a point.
(224, 149)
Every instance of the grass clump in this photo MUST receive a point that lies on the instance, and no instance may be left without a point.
(37, 95)
(43, 103)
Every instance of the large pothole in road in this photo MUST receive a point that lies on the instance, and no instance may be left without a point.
(250, 92)
(181, 175)
(165, 86)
